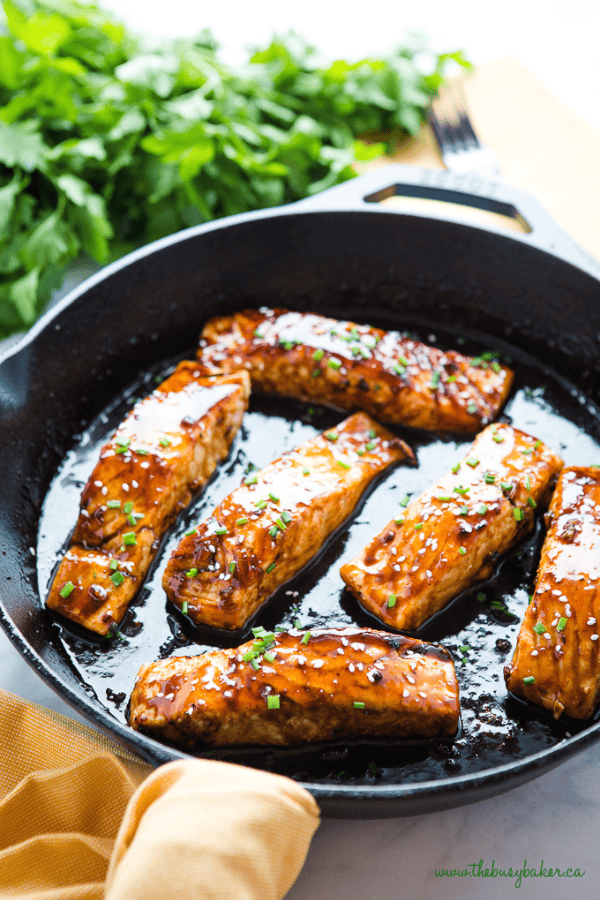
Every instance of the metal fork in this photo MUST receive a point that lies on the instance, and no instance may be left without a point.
(462, 151)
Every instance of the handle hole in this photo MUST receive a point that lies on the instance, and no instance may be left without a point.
(473, 209)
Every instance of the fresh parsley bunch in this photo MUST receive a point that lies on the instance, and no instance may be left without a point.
(108, 141)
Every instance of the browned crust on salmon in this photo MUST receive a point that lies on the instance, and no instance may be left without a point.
(557, 658)
(270, 527)
(166, 449)
(447, 539)
(327, 684)
(350, 366)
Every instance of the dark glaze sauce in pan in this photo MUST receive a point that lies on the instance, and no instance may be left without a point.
(479, 628)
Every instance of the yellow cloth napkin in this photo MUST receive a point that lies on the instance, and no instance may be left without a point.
(69, 809)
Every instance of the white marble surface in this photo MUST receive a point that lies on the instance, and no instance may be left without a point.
(557, 817)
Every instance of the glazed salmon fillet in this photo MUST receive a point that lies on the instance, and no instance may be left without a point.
(349, 366)
(166, 449)
(557, 658)
(296, 687)
(446, 539)
(270, 527)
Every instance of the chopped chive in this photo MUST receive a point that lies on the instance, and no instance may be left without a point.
(498, 439)
(121, 450)
(455, 468)
(261, 504)
(254, 664)
(123, 442)
(462, 551)
(405, 500)
(472, 408)
(403, 361)
(221, 530)
(242, 521)
(527, 452)
(67, 589)
(362, 453)
(531, 502)
(331, 436)
(518, 514)
(274, 531)
(297, 623)
(529, 680)
(464, 648)
(280, 628)
(318, 354)
(129, 538)
(306, 471)
(184, 607)
(391, 601)
(537, 444)
(165, 442)
(418, 526)
(464, 510)
(190, 531)
(114, 504)
(128, 507)
(258, 334)
(286, 517)
(271, 567)
(539, 628)
(232, 567)
(270, 657)
(250, 654)
(113, 565)
(400, 520)
(258, 631)
(316, 373)
(137, 516)
(306, 638)
(489, 478)
(192, 572)
(506, 486)
(496, 367)
(131, 519)
(444, 498)
(461, 490)
(371, 445)
(343, 464)
(273, 701)
(471, 461)
(280, 523)
(399, 370)
(435, 379)
(252, 479)
(482, 509)
(451, 379)
(561, 624)
(334, 363)
(528, 483)
(274, 498)
(117, 578)
(358, 704)
(481, 597)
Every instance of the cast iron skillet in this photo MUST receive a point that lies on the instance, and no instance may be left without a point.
(339, 253)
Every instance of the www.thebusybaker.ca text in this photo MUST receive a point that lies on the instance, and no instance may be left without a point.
(478, 870)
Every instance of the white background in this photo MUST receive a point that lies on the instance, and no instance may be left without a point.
(557, 817)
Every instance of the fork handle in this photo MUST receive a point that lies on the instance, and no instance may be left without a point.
(465, 189)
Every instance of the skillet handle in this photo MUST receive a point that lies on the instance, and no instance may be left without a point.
(465, 189)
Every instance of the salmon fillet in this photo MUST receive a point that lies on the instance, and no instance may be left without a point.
(557, 661)
(447, 539)
(270, 527)
(349, 366)
(168, 446)
(297, 687)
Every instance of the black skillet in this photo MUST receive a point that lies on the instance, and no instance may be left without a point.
(340, 253)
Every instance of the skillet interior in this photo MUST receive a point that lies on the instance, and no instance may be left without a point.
(366, 265)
